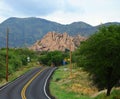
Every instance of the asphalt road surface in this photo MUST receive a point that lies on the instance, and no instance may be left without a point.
(32, 85)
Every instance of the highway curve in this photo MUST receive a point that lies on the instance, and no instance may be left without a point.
(32, 85)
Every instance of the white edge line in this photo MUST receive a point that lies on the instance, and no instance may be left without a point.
(46, 83)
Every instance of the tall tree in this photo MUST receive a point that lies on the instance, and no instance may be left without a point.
(100, 56)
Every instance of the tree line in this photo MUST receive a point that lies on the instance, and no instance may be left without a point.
(17, 59)
(54, 58)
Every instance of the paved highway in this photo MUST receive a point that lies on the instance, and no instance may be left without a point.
(32, 85)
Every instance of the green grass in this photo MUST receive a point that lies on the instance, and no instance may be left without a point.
(61, 85)
(79, 86)
(115, 94)
(63, 94)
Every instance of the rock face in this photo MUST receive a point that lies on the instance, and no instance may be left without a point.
(55, 41)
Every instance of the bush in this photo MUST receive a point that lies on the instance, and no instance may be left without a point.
(54, 58)
(17, 58)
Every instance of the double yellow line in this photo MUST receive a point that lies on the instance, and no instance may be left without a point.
(28, 83)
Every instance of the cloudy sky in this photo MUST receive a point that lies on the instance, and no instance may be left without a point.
(93, 12)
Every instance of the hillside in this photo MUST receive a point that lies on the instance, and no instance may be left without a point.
(26, 31)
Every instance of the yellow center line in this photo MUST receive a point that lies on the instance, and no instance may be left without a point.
(28, 83)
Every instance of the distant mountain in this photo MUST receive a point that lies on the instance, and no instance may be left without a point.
(26, 31)
(108, 24)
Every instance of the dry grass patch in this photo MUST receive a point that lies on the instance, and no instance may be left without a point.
(77, 82)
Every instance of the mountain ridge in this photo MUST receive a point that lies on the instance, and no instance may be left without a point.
(26, 31)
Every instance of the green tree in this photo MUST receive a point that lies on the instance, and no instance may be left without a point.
(53, 57)
(17, 59)
(100, 56)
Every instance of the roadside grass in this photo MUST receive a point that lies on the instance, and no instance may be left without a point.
(115, 94)
(77, 86)
(19, 72)
(74, 86)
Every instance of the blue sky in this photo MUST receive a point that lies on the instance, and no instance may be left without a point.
(93, 12)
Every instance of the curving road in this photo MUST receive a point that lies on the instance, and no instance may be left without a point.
(32, 85)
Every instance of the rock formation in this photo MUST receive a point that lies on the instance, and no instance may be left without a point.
(56, 41)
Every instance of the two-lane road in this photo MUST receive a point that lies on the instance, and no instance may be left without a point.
(31, 85)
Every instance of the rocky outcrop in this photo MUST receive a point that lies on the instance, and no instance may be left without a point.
(56, 41)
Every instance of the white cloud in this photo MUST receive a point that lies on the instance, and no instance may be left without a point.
(4, 9)
(63, 11)
(33, 7)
